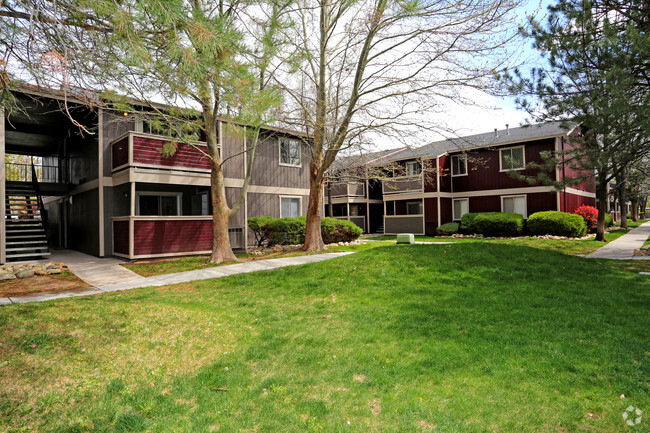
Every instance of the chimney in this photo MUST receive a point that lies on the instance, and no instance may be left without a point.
(507, 129)
(496, 133)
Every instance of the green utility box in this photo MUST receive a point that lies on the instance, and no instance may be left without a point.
(405, 238)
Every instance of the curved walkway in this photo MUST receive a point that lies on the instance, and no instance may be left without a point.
(623, 247)
(180, 277)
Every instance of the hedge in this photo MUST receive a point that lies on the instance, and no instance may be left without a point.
(609, 221)
(498, 224)
(467, 223)
(557, 223)
(291, 231)
(447, 229)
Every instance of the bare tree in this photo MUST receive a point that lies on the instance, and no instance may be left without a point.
(210, 56)
(382, 67)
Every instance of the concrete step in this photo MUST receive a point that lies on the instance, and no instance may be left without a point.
(41, 242)
(24, 256)
(19, 249)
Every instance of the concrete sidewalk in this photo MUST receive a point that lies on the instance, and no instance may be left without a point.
(180, 277)
(623, 247)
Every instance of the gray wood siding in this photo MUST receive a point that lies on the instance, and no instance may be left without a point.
(232, 195)
(267, 170)
(83, 223)
(114, 126)
(231, 150)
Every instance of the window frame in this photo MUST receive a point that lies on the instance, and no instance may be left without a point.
(419, 202)
(286, 164)
(179, 202)
(464, 156)
(417, 164)
(523, 158)
(453, 208)
(291, 197)
(524, 196)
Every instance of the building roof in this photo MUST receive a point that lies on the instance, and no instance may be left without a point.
(489, 139)
(358, 160)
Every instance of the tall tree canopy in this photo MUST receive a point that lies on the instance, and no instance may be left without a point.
(597, 58)
(364, 67)
(208, 55)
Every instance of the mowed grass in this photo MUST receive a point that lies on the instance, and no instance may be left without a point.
(472, 337)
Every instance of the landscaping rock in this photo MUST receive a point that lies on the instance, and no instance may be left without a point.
(641, 252)
(54, 271)
(25, 273)
(277, 248)
(5, 276)
(40, 272)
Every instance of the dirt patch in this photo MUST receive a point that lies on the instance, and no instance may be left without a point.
(40, 284)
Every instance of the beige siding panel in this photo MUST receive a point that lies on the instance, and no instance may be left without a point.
(267, 170)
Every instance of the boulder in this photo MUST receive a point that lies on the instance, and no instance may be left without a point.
(277, 248)
(26, 273)
(54, 271)
(5, 276)
(40, 272)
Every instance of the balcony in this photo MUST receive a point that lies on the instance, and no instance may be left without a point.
(403, 184)
(348, 189)
(136, 149)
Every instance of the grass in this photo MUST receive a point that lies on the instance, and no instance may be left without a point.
(470, 337)
(149, 268)
(632, 224)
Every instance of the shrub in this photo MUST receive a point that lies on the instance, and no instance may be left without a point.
(589, 214)
(257, 225)
(556, 223)
(498, 224)
(609, 221)
(291, 231)
(467, 223)
(285, 231)
(334, 230)
(447, 229)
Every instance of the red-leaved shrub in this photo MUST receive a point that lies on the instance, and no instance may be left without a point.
(590, 215)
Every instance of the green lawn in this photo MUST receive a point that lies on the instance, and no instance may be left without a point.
(470, 337)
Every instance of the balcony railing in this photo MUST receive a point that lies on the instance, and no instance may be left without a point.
(403, 184)
(148, 150)
(348, 189)
(21, 172)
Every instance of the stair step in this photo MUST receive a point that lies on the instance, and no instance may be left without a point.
(20, 256)
(36, 223)
(12, 237)
(26, 249)
(22, 242)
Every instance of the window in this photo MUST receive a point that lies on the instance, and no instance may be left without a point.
(414, 208)
(514, 204)
(289, 152)
(512, 159)
(461, 207)
(289, 207)
(413, 168)
(159, 204)
(354, 210)
(459, 165)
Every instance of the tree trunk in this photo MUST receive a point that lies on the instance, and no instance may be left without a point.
(644, 203)
(221, 250)
(313, 236)
(634, 210)
(601, 204)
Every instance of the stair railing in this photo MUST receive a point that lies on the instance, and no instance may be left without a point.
(39, 199)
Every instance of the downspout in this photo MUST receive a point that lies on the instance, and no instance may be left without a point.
(438, 189)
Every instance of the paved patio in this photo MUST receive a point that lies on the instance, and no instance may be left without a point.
(100, 271)
(623, 247)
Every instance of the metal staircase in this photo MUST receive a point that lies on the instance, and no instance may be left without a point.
(24, 222)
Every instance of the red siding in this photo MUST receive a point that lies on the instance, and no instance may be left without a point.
(490, 203)
(430, 175)
(148, 151)
(121, 237)
(430, 216)
(483, 168)
(121, 152)
(541, 201)
(445, 173)
(446, 210)
(570, 202)
(589, 183)
(160, 237)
